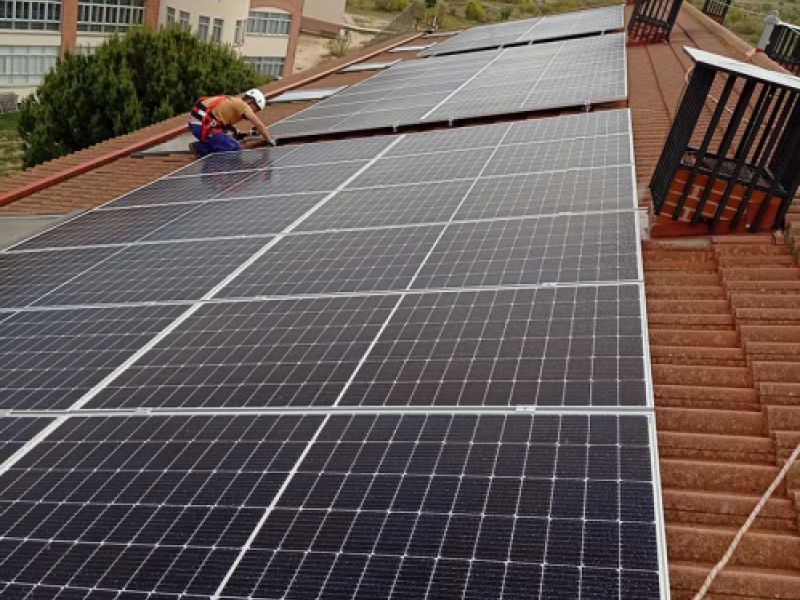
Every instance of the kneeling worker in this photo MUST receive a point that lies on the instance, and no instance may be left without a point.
(214, 118)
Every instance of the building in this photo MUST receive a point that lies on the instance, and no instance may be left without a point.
(323, 16)
(34, 33)
(722, 315)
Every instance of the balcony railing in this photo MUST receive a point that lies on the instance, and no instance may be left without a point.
(717, 9)
(784, 47)
(739, 169)
(652, 20)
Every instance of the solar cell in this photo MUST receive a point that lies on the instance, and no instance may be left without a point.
(570, 346)
(148, 273)
(283, 353)
(463, 506)
(255, 216)
(531, 194)
(181, 189)
(343, 261)
(494, 82)
(16, 432)
(290, 180)
(50, 359)
(142, 504)
(580, 248)
(386, 206)
(551, 27)
(107, 227)
(25, 277)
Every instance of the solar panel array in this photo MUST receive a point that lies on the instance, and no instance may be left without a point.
(311, 372)
(528, 31)
(572, 73)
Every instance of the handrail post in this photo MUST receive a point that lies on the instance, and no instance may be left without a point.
(771, 19)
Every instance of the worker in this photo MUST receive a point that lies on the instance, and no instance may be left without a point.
(214, 119)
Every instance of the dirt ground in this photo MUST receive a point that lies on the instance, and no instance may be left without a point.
(313, 49)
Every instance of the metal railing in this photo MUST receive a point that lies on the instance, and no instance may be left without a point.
(784, 47)
(717, 10)
(739, 169)
(652, 20)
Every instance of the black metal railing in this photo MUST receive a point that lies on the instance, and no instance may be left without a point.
(739, 169)
(652, 20)
(716, 9)
(784, 47)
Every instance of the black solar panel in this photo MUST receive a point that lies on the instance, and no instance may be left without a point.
(345, 261)
(576, 248)
(50, 359)
(564, 74)
(551, 27)
(149, 273)
(548, 347)
(322, 363)
(158, 504)
(285, 353)
(108, 227)
(16, 432)
(463, 506)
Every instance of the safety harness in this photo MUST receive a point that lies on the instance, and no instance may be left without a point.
(204, 113)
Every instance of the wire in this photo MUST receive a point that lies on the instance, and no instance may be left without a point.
(743, 530)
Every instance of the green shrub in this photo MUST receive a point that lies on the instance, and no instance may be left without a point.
(505, 13)
(392, 5)
(340, 45)
(130, 82)
(474, 11)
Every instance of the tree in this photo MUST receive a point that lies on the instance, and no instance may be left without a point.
(130, 82)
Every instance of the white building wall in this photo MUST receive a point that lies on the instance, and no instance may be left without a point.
(229, 11)
(25, 55)
(330, 11)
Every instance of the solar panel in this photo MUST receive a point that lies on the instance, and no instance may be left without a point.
(369, 66)
(136, 273)
(582, 248)
(156, 504)
(551, 27)
(343, 261)
(547, 347)
(311, 372)
(50, 359)
(254, 354)
(463, 506)
(571, 73)
(16, 432)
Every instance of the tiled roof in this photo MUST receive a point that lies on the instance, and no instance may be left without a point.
(724, 316)
(724, 321)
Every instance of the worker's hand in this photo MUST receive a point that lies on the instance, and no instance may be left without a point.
(240, 135)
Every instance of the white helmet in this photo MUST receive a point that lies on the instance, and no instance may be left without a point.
(257, 97)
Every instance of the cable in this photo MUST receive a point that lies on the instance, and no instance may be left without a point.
(712, 575)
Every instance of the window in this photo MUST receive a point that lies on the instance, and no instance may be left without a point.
(184, 19)
(170, 16)
(42, 15)
(238, 34)
(266, 65)
(202, 28)
(26, 64)
(268, 23)
(109, 16)
(216, 31)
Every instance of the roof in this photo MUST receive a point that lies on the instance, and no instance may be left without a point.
(724, 324)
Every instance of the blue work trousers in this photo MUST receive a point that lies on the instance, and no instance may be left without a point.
(220, 142)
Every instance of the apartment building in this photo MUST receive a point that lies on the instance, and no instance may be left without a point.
(33, 33)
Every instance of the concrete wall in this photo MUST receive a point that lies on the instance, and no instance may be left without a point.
(330, 11)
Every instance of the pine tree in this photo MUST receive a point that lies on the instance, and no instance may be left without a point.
(130, 82)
